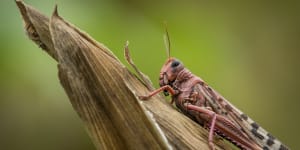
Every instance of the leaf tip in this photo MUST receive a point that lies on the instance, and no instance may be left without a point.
(18, 1)
(55, 12)
(127, 43)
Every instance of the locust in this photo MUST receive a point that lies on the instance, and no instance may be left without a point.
(197, 100)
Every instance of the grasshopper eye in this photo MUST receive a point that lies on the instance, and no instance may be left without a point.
(175, 63)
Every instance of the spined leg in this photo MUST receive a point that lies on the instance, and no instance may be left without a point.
(211, 131)
(213, 117)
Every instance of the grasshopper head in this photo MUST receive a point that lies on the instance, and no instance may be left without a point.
(171, 68)
(169, 71)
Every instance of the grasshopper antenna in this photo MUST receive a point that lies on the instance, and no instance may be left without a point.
(167, 41)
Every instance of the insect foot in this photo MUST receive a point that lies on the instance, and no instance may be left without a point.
(211, 146)
(143, 97)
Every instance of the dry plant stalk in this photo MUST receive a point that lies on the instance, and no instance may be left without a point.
(104, 93)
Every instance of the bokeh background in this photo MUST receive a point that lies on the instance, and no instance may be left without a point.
(248, 51)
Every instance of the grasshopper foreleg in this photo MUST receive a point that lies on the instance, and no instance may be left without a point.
(166, 87)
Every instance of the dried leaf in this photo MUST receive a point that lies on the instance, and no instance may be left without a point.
(104, 93)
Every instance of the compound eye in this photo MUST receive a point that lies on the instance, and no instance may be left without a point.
(175, 63)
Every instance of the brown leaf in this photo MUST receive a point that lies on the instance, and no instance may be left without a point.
(104, 93)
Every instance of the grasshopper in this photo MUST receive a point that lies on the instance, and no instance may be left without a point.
(197, 100)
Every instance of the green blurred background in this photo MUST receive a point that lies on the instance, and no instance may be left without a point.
(248, 51)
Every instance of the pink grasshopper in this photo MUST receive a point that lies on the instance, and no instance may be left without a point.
(208, 108)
